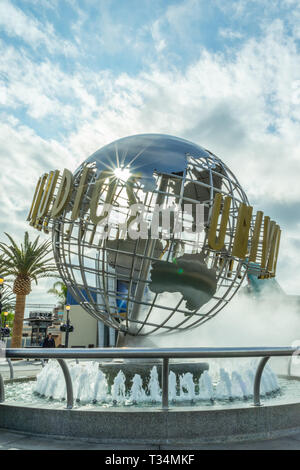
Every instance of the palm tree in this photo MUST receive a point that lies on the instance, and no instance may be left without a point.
(7, 305)
(25, 263)
(59, 289)
(7, 299)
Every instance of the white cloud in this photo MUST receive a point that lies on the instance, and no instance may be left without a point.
(180, 15)
(43, 88)
(17, 24)
(175, 23)
(230, 34)
(24, 157)
(159, 41)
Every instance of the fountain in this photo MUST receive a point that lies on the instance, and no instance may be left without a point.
(91, 385)
(209, 407)
(153, 234)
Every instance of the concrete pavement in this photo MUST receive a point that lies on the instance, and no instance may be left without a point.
(22, 368)
(21, 441)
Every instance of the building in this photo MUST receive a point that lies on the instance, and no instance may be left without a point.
(39, 324)
(88, 332)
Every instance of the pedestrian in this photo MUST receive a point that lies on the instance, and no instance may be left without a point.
(49, 341)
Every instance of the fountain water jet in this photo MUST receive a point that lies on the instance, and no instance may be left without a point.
(91, 385)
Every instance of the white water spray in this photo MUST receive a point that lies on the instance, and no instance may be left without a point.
(90, 385)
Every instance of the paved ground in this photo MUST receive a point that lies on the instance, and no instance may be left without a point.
(22, 368)
(19, 441)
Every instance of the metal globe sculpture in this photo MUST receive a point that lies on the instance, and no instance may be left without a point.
(169, 279)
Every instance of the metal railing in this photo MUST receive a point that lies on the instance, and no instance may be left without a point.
(143, 353)
(11, 369)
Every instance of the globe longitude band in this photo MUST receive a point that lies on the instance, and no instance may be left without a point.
(132, 183)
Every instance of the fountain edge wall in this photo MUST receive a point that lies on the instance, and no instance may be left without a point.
(180, 425)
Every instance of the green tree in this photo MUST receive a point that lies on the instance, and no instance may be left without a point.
(7, 305)
(8, 320)
(8, 299)
(25, 263)
(59, 289)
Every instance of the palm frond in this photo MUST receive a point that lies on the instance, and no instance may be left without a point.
(7, 299)
(59, 289)
(28, 259)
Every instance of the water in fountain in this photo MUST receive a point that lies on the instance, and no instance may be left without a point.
(118, 392)
(153, 386)
(187, 387)
(90, 385)
(137, 393)
(101, 387)
(172, 386)
(223, 388)
(206, 390)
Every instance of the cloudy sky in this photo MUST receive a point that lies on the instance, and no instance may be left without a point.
(77, 74)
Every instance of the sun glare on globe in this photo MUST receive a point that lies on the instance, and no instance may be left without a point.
(122, 173)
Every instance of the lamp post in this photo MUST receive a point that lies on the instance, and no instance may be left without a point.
(68, 326)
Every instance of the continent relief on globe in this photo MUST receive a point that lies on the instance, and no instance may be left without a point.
(188, 275)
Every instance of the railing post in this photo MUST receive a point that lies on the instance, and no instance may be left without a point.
(11, 369)
(257, 380)
(69, 385)
(289, 371)
(165, 383)
(2, 393)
